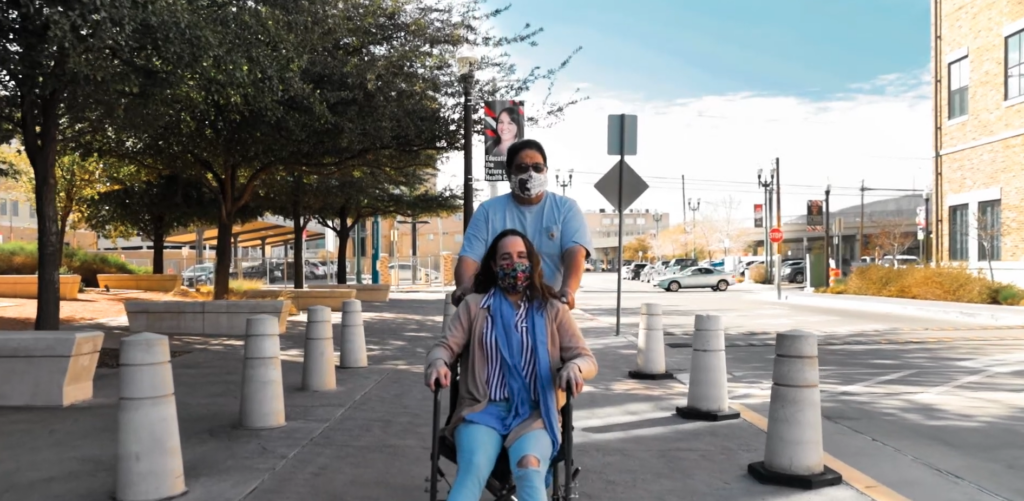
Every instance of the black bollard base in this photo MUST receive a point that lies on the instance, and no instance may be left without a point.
(688, 413)
(650, 377)
(762, 474)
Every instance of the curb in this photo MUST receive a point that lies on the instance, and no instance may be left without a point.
(1007, 316)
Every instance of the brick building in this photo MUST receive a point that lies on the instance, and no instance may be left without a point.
(978, 129)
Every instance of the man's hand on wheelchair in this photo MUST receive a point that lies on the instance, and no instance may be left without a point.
(438, 371)
(460, 293)
(570, 379)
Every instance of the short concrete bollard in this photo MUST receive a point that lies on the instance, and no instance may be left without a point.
(794, 454)
(353, 340)
(318, 357)
(262, 405)
(650, 348)
(149, 464)
(708, 396)
(449, 310)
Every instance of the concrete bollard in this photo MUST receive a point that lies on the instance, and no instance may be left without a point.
(262, 405)
(650, 345)
(708, 396)
(794, 454)
(318, 357)
(449, 310)
(149, 464)
(353, 340)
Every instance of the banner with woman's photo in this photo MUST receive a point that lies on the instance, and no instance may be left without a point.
(504, 124)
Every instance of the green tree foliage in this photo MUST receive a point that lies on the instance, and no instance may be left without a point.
(150, 208)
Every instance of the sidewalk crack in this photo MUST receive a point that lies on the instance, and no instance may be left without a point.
(323, 428)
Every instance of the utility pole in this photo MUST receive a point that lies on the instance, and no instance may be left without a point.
(860, 232)
(778, 195)
(684, 202)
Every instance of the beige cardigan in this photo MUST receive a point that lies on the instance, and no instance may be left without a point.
(565, 343)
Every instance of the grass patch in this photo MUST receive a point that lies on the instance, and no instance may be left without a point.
(22, 258)
(955, 284)
(236, 292)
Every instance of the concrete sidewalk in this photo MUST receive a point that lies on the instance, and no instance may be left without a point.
(370, 439)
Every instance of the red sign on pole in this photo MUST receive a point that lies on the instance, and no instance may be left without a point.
(775, 235)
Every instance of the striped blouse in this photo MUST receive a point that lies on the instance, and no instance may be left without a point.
(496, 384)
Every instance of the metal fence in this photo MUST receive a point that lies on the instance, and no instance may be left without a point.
(405, 271)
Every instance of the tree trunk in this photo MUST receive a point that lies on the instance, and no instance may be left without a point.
(299, 268)
(222, 271)
(62, 232)
(343, 245)
(158, 251)
(50, 247)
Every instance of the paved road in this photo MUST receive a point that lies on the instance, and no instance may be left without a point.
(934, 421)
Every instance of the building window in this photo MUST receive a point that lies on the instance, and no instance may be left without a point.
(641, 221)
(14, 208)
(32, 211)
(1015, 65)
(606, 221)
(959, 233)
(989, 226)
(959, 77)
(3, 206)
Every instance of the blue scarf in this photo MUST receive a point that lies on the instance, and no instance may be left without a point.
(521, 403)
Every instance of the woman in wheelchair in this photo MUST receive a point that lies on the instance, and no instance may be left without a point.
(524, 349)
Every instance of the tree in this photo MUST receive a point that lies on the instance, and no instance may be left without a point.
(632, 249)
(988, 232)
(61, 65)
(893, 236)
(151, 208)
(260, 86)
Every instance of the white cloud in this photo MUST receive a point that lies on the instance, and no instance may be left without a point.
(879, 132)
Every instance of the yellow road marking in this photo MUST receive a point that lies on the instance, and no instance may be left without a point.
(857, 479)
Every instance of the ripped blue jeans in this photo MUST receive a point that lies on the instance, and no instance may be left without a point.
(477, 448)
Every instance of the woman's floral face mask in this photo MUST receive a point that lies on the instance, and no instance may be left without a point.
(514, 277)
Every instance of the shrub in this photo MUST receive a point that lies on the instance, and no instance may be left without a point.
(22, 258)
(758, 274)
(955, 284)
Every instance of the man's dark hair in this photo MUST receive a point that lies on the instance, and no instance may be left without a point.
(520, 146)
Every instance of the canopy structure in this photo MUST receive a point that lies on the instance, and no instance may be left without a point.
(254, 234)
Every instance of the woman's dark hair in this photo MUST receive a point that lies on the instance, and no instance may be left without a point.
(486, 278)
(520, 146)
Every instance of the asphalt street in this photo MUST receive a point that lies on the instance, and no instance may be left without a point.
(931, 408)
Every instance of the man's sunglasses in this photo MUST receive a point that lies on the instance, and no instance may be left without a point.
(524, 168)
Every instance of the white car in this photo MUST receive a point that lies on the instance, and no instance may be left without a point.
(698, 277)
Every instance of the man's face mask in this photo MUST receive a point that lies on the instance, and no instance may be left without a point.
(527, 182)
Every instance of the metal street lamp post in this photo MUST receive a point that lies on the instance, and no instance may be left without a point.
(767, 184)
(828, 264)
(563, 184)
(693, 210)
(467, 64)
(926, 242)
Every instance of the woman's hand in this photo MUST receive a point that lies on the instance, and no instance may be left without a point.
(438, 370)
(571, 379)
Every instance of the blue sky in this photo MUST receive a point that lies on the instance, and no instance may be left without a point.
(675, 49)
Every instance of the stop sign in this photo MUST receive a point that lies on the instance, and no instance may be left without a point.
(775, 235)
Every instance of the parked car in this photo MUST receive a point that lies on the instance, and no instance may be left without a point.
(200, 274)
(900, 261)
(793, 272)
(405, 272)
(636, 269)
(698, 277)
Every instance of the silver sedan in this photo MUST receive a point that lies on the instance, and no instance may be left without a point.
(698, 277)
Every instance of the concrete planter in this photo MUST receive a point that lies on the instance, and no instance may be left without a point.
(204, 318)
(27, 286)
(152, 283)
(304, 298)
(374, 293)
(47, 368)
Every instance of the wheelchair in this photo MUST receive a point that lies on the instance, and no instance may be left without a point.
(500, 484)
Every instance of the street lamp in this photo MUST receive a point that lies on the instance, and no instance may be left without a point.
(828, 264)
(693, 210)
(467, 61)
(563, 184)
(767, 183)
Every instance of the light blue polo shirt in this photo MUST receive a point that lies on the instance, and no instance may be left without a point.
(553, 225)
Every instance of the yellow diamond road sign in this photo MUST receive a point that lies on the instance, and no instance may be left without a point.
(632, 186)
